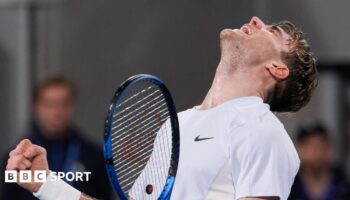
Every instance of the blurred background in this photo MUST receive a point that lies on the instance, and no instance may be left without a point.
(99, 43)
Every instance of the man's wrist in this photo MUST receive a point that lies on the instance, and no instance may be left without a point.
(86, 197)
(37, 186)
(56, 189)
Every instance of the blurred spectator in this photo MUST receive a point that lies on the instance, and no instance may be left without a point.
(53, 106)
(317, 178)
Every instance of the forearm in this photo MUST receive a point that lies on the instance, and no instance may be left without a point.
(28, 156)
(57, 190)
(259, 198)
(86, 197)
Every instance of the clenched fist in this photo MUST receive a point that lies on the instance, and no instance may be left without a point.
(28, 156)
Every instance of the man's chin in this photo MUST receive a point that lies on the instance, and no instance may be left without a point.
(230, 33)
(55, 131)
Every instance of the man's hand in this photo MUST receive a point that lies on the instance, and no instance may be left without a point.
(260, 198)
(28, 156)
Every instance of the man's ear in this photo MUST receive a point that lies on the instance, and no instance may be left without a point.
(278, 71)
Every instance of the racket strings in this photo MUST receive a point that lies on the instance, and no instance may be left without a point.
(148, 138)
(133, 113)
(147, 149)
(142, 129)
(138, 102)
(131, 117)
(147, 146)
(157, 169)
(135, 95)
(139, 126)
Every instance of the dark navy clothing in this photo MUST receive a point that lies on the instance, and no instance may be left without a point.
(71, 154)
(338, 189)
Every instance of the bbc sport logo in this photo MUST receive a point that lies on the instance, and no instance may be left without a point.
(41, 176)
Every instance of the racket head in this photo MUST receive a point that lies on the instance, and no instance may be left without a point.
(125, 94)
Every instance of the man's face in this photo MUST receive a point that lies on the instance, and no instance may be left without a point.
(255, 42)
(314, 151)
(54, 109)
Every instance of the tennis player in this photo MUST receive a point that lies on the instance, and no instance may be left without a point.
(232, 145)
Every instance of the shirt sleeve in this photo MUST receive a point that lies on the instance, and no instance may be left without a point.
(264, 161)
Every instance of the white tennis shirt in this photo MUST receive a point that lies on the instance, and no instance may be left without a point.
(234, 150)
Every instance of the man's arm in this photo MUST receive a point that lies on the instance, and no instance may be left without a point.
(27, 156)
(260, 198)
(86, 197)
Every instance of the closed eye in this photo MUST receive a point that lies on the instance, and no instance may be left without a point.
(272, 31)
(275, 30)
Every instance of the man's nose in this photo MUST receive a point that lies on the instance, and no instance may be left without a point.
(257, 23)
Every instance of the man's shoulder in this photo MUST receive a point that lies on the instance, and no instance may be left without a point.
(259, 119)
(184, 112)
(261, 129)
(184, 115)
(265, 135)
(266, 121)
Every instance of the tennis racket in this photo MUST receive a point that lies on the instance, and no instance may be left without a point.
(141, 139)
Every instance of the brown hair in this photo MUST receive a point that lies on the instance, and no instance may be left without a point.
(52, 81)
(293, 93)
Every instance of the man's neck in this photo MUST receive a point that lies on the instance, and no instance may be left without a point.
(229, 85)
(312, 173)
(56, 135)
(316, 181)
